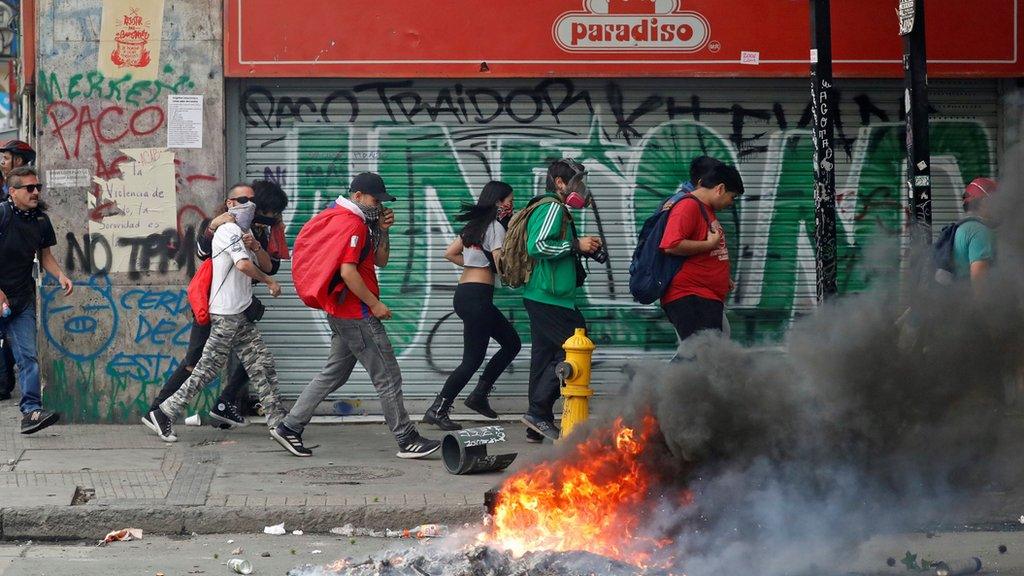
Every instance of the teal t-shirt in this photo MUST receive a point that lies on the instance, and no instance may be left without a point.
(974, 241)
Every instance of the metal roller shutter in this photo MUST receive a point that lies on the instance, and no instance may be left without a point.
(437, 142)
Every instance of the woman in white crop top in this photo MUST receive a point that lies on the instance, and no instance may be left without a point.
(478, 249)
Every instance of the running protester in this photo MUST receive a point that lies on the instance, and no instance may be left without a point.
(550, 293)
(233, 315)
(478, 250)
(345, 244)
(268, 231)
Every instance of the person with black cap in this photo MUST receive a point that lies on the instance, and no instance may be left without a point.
(359, 228)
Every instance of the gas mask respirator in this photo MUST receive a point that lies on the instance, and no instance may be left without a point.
(577, 193)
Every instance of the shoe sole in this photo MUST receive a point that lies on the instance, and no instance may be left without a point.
(45, 422)
(156, 430)
(536, 429)
(287, 445)
(231, 423)
(413, 456)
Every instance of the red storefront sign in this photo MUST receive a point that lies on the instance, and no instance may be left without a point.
(517, 38)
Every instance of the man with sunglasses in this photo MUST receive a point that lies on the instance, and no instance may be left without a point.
(13, 154)
(550, 294)
(25, 234)
(267, 238)
(232, 325)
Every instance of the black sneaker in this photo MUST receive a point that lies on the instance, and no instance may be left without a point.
(533, 437)
(290, 440)
(418, 447)
(160, 423)
(548, 429)
(228, 415)
(37, 420)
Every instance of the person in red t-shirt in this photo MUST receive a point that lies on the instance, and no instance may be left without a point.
(695, 300)
(357, 333)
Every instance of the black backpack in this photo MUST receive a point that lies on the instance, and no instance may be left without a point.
(942, 252)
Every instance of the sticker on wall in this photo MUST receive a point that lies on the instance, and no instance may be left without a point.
(130, 38)
(140, 204)
(185, 121)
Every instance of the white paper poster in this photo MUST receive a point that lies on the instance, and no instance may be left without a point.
(185, 121)
(141, 203)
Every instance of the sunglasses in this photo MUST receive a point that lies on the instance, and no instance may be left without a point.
(30, 187)
(243, 199)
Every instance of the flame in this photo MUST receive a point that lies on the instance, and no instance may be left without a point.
(592, 501)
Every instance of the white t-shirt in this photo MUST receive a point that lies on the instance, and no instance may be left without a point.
(231, 290)
(494, 237)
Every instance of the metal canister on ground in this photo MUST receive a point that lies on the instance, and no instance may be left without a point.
(240, 566)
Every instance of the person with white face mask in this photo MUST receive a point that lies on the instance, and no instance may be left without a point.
(232, 325)
(268, 243)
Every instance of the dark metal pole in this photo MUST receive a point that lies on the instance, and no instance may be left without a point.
(823, 107)
(915, 82)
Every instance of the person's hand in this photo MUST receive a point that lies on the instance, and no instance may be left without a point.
(714, 236)
(732, 284)
(222, 219)
(589, 244)
(381, 311)
(3, 299)
(274, 287)
(387, 219)
(251, 242)
(66, 284)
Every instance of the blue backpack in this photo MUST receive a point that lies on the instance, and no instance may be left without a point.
(651, 270)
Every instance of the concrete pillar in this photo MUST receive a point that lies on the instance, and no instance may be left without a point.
(108, 348)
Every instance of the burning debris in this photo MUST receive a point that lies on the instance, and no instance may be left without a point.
(593, 500)
(481, 560)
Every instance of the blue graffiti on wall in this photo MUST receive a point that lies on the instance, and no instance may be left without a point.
(83, 325)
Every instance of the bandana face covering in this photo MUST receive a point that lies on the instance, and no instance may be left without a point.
(264, 220)
(372, 213)
(244, 215)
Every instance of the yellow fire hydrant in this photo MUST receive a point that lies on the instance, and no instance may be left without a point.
(574, 374)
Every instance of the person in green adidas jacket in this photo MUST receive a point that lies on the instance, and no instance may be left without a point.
(550, 294)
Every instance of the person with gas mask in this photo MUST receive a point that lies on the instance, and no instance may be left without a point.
(335, 258)
(555, 247)
(477, 249)
(232, 325)
(266, 239)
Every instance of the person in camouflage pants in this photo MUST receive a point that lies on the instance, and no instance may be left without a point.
(238, 259)
(234, 332)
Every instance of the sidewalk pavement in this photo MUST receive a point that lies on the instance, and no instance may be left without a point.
(81, 481)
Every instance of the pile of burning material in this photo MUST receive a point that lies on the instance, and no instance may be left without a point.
(474, 560)
(580, 514)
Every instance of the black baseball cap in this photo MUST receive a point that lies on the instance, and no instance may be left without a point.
(372, 184)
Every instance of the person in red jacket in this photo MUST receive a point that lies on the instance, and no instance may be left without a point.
(695, 300)
(355, 313)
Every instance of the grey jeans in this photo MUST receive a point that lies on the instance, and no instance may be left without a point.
(365, 341)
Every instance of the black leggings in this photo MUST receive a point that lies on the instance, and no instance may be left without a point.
(232, 392)
(481, 321)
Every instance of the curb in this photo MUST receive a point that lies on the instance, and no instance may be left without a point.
(94, 522)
